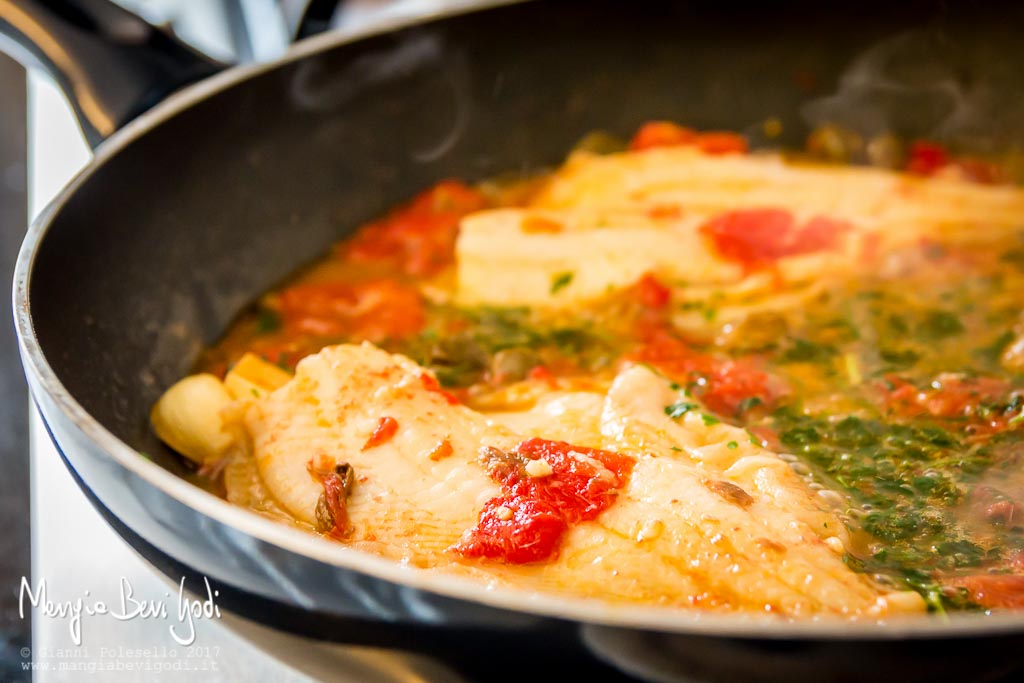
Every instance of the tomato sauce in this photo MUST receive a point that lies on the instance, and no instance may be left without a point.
(418, 238)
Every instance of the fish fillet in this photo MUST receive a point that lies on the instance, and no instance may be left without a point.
(700, 523)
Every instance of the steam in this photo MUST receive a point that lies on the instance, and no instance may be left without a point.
(423, 56)
(921, 84)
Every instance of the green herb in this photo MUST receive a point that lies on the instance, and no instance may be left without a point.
(993, 351)
(939, 325)
(561, 281)
(804, 351)
(1014, 257)
(749, 403)
(906, 475)
(732, 445)
(464, 344)
(680, 408)
(901, 358)
(709, 419)
(267, 321)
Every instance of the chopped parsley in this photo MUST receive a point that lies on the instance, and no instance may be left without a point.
(680, 408)
(267, 321)
(561, 281)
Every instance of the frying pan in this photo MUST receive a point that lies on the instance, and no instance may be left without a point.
(198, 204)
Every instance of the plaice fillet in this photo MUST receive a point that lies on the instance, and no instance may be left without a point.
(707, 184)
(406, 504)
(705, 525)
(607, 220)
(502, 262)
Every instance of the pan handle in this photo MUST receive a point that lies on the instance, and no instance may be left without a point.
(111, 64)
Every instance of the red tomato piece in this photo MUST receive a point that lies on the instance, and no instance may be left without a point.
(527, 521)
(1000, 591)
(376, 310)
(419, 237)
(661, 134)
(980, 171)
(722, 384)
(540, 373)
(654, 134)
(335, 498)
(926, 157)
(715, 142)
(516, 530)
(652, 293)
(947, 397)
(382, 433)
(431, 384)
(766, 437)
(580, 489)
(757, 238)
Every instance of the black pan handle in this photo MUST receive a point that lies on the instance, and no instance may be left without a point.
(111, 64)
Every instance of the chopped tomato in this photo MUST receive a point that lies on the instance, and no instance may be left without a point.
(419, 237)
(385, 430)
(527, 521)
(926, 157)
(724, 385)
(980, 171)
(757, 238)
(430, 383)
(376, 310)
(655, 134)
(332, 507)
(540, 373)
(661, 134)
(948, 396)
(993, 506)
(992, 590)
(651, 292)
(516, 530)
(714, 142)
(765, 437)
(441, 450)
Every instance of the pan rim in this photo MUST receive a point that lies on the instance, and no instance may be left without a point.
(592, 612)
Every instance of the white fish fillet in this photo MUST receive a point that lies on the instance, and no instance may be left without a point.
(675, 535)
(611, 231)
